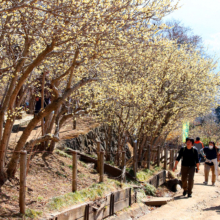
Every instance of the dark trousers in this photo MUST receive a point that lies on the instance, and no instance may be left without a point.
(187, 178)
(38, 104)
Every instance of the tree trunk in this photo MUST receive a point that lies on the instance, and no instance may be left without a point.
(12, 165)
(4, 142)
(32, 103)
(140, 152)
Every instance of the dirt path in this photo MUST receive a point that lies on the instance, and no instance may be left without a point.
(83, 126)
(204, 204)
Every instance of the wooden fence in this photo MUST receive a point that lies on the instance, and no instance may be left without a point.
(155, 156)
(107, 206)
(99, 209)
(158, 156)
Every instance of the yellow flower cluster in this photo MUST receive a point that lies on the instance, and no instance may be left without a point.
(144, 82)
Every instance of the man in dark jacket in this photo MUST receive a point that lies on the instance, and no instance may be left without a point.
(190, 160)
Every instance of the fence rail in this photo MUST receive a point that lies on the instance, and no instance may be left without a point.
(107, 206)
(154, 156)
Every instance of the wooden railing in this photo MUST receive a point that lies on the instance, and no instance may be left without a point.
(154, 156)
(159, 156)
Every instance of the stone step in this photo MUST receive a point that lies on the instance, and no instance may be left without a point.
(22, 122)
(157, 201)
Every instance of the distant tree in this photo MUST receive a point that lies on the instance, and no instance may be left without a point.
(183, 35)
(217, 112)
(207, 130)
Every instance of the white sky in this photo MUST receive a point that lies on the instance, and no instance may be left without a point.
(203, 17)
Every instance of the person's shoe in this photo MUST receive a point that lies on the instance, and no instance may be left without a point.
(190, 195)
(184, 193)
(213, 184)
(205, 183)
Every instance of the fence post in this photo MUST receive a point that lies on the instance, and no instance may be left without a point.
(101, 179)
(176, 153)
(123, 165)
(162, 151)
(171, 159)
(98, 155)
(158, 156)
(123, 162)
(23, 163)
(74, 174)
(74, 123)
(148, 157)
(175, 156)
(135, 158)
(165, 158)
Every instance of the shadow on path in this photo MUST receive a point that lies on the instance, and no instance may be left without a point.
(215, 208)
(180, 197)
(201, 184)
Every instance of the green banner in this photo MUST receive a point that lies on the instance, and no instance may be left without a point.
(185, 131)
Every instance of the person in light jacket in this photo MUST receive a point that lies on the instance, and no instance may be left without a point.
(211, 162)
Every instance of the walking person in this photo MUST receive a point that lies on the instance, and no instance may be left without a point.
(190, 160)
(211, 162)
(199, 145)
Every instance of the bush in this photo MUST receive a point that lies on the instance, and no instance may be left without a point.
(33, 214)
(149, 189)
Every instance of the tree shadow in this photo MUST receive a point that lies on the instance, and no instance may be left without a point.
(44, 158)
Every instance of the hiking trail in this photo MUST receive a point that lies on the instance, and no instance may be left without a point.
(204, 204)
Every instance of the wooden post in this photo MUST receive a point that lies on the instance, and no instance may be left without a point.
(171, 159)
(148, 157)
(165, 158)
(74, 174)
(135, 158)
(23, 163)
(74, 123)
(176, 153)
(175, 156)
(123, 162)
(158, 156)
(101, 179)
(123, 165)
(161, 152)
(98, 155)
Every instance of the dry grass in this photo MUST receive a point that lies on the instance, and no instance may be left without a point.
(145, 174)
(47, 178)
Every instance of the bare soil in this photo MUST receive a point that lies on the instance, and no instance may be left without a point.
(83, 126)
(48, 176)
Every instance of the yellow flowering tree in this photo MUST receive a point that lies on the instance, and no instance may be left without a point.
(68, 38)
(160, 84)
